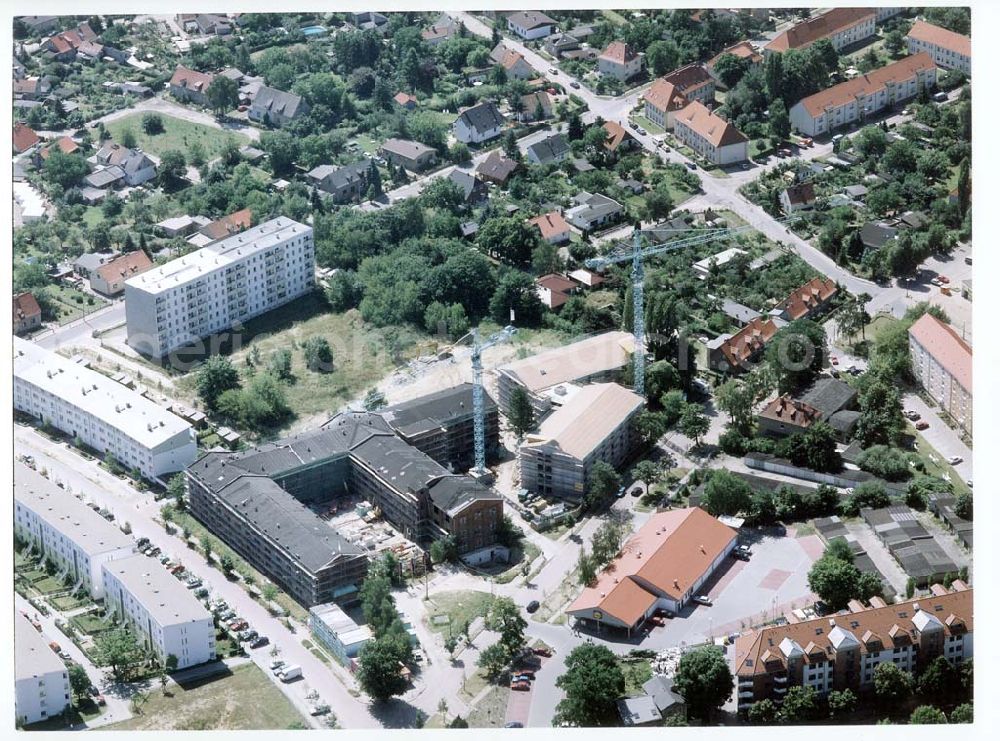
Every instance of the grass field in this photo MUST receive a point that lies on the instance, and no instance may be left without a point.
(89, 624)
(93, 216)
(458, 606)
(69, 307)
(177, 134)
(491, 711)
(243, 700)
(939, 466)
(636, 672)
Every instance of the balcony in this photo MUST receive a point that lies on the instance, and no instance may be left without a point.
(781, 679)
(746, 696)
(780, 690)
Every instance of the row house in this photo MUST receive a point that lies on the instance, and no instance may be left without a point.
(842, 26)
(948, 49)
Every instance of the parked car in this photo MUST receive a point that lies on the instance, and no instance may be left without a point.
(521, 678)
(55, 646)
(227, 615)
(935, 281)
(954, 460)
(194, 583)
(621, 493)
(238, 625)
(64, 655)
(533, 606)
(941, 97)
(276, 664)
(702, 599)
(834, 360)
(739, 555)
(542, 652)
(691, 165)
(944, 279)
(99, 699)
(259, 641)
(142, 542)
(514, 724)
(246, 635)
(637, 491)
(575, 85)
(968, 482)
(968, 259)
(155, 552)
(201, 592)
(922, 425)
(520, 686)
(912, 415)
(319, 710)
(553, 71)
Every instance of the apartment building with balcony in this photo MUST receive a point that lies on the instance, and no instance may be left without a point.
(41, 680)
(105, 415)
(219, 286)
(162, 612)
(842, 651)
(66, 531)
(263, 502)
(842, 26)
(855, 100)
(948, 49)
(595, 424)
(942, 363)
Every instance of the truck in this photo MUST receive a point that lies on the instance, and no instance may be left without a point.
(288, 673)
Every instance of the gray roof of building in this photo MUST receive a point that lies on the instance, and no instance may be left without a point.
(406, 148)
(464, 180)
(661, 689)
(341, 176)
(550, 148)
(482, 117)
(739, 312)
(434, 410)
(272, 99)
(844, 420)
(829, 396)
(103, 178)
(875, 235)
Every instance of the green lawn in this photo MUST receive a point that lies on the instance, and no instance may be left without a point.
(83, 711)
(71, 304)
(616, 18)
(458, 606)
(636, 672)
(243, 700)
(648, 125)
(177, 134)
(940, 466)
(93, 216)
(89, 624)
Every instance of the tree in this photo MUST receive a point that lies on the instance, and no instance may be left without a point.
(152, 123)
(704, 680)
(964, 186)
(444, 549)
(494, 660)
(926, 715)
(504, 617)
(657, 203)
(226, 563)
(172, 170)
(801, 705)
(282, 150)
(521, 415)
(79, 682)
(508, 239)
(587, 567)
(835, 581)
(214, 378)
(207, 546)
(762, 713)
(881, 419)
(344, 291)
(892, 684)
(223, 94)
(963, 506)
(128, 139)
(593, 682)
(737, 400)
(64, 170)
(795, 353)
(545, 259)
(379, 671)
(651, 426)
(962, 714)
(662, 57)
(853, 316)
(778, 119)
(647, 472)
(842, 702)
(279, 364)
(604, 482)
(574, 126)
(318, 355)
(693, 423)
(726, 494)
(119, 649)
(515, 294)
(816, 448)
(939, 681)
(374, 400)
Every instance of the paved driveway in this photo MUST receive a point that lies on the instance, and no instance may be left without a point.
(941, 437)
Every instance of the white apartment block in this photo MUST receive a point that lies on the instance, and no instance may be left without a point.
(218, 286)
(163, 613)
(105, 415)
(853, 101)
(65, 530)
(942, 363)
(948, 49)
(41, 681)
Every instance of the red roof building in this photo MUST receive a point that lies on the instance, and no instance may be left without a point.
(942, 363)
(806, 300)
(27, 313)
(24, 138)
(553, 227)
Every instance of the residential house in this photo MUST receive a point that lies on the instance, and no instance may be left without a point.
(479, 123)
(274, 107)
(41, 679)
(63, 144)
(948, 49)
(87, 263)
(130, 87)
(24, 138)
(442, 30)
(472, 188)
(410, 154)
(513, 62)
(742, 50)
(808, 300)
(346, 184)
(190, 86)
(873, 235)
(554, 290)
(587, 278)
(27, 313)
(32, 88)
(109, 279)
(619, 139)
(636, 712)
(531, 24)
(842, 26)
(704, 267)
(406, 101)
(61, 47)
(797, 197)
(39, 25)
(669, 95)
(593, 210)
(89, 51)
(137, 168)
(942, 364)
(551, 149)
(620, 61)
(855, 100)
(535, 106)
(913, 220)
(559, 43)
(497, 168)
(18, 69)
(733, 353)
(370, 21)
(712, 137)
(552, 226)
(219, 229)
(181, 226)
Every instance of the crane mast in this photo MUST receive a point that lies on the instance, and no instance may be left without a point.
(478, 408)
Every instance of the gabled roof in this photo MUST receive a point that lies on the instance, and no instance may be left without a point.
(529, 19)
(947, 348)
(497, 166)
(821, 27)
(618, 52)
(190, 79)
(406, 148)
(482, 117)
(689, 76)
(863, 85)
(532, 100)
(550, 224)
(555, 282)
(750, 339)
(64, 144)
(805, 298)
(617, 135)
(598, 354)
(25, 306)
(665, 96)
(125, 266)
(227, 225)
(941, 37)
(717, 131)
(801, 194)
(279, 101)
(788, 411)
(24, 137)
(742, 50)
(404, 98)
(550, 148)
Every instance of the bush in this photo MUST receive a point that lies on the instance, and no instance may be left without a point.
(891, 464)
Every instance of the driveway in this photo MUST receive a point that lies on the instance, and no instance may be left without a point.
(941, 437)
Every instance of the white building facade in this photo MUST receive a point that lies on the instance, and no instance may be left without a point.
(948, 49)
(65, 530)
(105, 415)
(213, 289)
(164, 615)
(41, 681)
